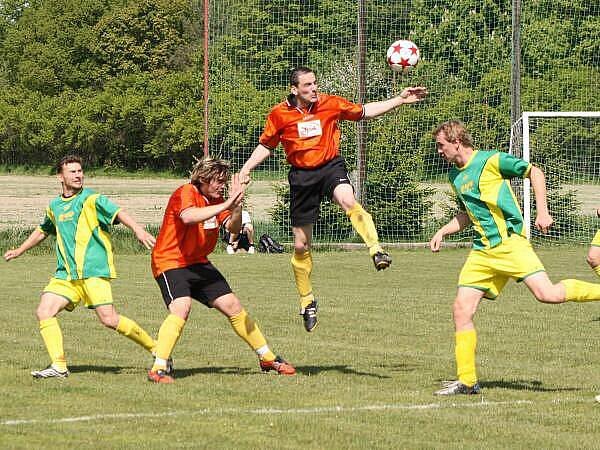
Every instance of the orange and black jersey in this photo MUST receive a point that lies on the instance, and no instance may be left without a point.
(310, 138)
(180, 245)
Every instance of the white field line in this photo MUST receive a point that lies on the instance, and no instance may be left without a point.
(276, 411)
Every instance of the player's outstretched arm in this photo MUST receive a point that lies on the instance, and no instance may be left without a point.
(200, 214)
(34, 239)
(543, 220)
(408, 95)
(459, 222)
(259, 154)
(145, 238)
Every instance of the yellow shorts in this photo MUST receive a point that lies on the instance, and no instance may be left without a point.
(596, 240)
(489, 270)
(93, 292)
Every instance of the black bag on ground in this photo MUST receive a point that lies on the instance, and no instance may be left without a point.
(267, 244)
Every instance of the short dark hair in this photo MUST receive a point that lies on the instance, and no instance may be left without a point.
(67, 160)
(296, 72)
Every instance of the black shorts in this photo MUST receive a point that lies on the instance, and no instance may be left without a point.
(202, 282)
(308, 187)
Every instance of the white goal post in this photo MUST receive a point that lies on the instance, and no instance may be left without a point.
(523, 149)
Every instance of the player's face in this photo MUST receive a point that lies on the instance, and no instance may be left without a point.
(71, 177)
(307, 89)
(215, 188)
(448, 150)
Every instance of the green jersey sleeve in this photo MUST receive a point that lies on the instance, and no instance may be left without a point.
(512, 167)
(47, 226)
(107, 211)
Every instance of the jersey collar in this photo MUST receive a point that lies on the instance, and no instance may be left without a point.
(293, 103)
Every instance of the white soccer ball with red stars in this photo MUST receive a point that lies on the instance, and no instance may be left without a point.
(403, 55)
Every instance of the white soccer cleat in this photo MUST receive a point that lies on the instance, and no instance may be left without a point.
(50, 372)
(230, 250)
(251, 249)
(457, 388)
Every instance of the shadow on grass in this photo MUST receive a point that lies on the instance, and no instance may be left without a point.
(524, 385)
(232, 370)
(101, 369)
(346, 370)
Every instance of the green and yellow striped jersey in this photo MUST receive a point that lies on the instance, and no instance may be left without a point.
(83, 246)
(483, 188)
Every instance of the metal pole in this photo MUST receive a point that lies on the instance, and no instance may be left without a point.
(206, 18)
(515, 84)
(361, 128)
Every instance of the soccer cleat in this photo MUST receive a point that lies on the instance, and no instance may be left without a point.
(49, 372)
(382, 260)
(278, 364)
(309, 314)
(251, 250)
(456, 388)
(159, 377)
(230, 250)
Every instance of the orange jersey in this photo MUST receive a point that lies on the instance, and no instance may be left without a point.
(180, 245)
(310, 138)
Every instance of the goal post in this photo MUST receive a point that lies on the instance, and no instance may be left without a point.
(565, 146)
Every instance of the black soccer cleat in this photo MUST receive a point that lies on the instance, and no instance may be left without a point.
(382, 260)
(309, 314)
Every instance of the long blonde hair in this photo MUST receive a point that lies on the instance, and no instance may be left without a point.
(207, 169)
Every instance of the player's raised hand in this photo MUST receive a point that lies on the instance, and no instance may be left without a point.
(543, 222)
(244, 178)
(236, 192)
(414, 94)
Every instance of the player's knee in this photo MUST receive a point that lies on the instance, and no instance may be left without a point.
(593, 259)
(549, 295)
(300, 247)
(109, 321)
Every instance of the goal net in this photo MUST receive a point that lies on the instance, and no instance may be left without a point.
(565, 146)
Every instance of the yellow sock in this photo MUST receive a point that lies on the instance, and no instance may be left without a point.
(466, 342)
(53, 339)
(133, 331)
(364, 226)
(302, 265)
(597, 270)
(581, 291)
(168, 335)
(248, 330)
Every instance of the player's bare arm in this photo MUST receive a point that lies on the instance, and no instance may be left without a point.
(259, 154)
(145, 238)
(408, 95)
(543, 220)
(34, 239)
(458, 223)
(199, 214)
(236, 195)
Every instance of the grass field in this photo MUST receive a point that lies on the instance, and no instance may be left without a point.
(365, 376)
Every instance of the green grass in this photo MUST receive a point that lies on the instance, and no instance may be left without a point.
(365, 376)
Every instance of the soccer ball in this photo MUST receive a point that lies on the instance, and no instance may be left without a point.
(403, 55)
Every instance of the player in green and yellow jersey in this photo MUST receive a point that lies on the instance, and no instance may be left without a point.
(79, 218)
(481, 181)
(593, 256)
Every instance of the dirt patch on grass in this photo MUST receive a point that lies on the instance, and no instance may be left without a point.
(23, 199)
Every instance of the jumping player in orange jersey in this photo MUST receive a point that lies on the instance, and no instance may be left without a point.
(306, 124)
(189, 233)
